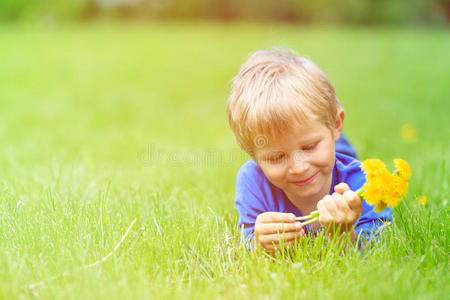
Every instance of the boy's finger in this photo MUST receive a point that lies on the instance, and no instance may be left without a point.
(273, 228)
(324, 215)
(272, 248)
(341, 188)
(276, 217)
(345, 214)
(354, 202)
(276, 239)
(341, 203)
(322, 204)
(337, 211)
(330, 205)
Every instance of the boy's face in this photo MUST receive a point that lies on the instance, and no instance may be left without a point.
(301, 163)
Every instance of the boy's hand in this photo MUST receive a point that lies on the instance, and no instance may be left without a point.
(275, 228)
(342, 209)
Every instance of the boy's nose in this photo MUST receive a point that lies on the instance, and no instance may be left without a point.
(299, 163)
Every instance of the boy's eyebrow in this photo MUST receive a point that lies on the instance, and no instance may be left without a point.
(309, 140)
(270, 152)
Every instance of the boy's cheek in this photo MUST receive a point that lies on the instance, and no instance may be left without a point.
(274, 174)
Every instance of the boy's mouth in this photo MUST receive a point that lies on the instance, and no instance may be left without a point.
(306, 181)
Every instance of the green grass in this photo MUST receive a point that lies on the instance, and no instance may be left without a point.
(104, 124)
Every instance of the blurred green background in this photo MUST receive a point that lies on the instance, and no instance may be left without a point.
(113, 111)
(348, 11)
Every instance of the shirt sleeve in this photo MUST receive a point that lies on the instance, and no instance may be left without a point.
(369, 225)
(249, 201)
(343, 146)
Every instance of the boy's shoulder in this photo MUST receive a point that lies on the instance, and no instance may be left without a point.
(348, 169)
(250, 170)
(344, 161)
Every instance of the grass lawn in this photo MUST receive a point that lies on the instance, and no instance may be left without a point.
(105, 124)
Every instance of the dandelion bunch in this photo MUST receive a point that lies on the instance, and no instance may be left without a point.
(383, 189)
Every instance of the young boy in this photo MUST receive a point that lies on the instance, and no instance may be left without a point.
(285, 114)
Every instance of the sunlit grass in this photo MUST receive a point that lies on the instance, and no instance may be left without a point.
(102, 125)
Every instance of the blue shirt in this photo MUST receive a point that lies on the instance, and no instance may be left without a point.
(255, 194)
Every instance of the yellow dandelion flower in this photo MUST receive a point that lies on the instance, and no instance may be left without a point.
(408, 133)
(372, 166)
(402, 168)
(401, 186)
(385, 180)
(422, 200)
(372, 194)
(392, 198)
(380, 207)
(382, 188)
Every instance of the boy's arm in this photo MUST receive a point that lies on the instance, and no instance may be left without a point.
(261, 225)
(248, 202)
(345, 210)
(275, 229)
(371, 224)
(339, 211)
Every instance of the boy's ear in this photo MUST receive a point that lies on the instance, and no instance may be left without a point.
(340, 116)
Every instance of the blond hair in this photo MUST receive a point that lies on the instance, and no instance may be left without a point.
(273, 92)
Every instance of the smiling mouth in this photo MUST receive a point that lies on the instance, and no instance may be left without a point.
(306, 181)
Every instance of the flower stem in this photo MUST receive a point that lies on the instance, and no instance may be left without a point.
(310, 221)
(313, 214)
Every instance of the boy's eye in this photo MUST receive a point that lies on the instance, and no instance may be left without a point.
(276, 158)
(310, 147)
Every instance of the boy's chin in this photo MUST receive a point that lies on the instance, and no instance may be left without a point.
(305, 192)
